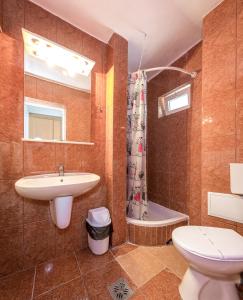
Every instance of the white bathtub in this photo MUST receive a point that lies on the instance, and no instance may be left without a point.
(159, 215)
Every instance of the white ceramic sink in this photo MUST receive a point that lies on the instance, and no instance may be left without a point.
(59, 190)
(50, 186)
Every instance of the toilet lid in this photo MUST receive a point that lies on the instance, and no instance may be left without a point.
(210, 242)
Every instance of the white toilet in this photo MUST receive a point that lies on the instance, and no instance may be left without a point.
(215, 257)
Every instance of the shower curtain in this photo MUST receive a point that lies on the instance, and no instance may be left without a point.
(136, 145)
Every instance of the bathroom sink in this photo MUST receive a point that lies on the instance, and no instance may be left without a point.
(59, 190)
(50, 186)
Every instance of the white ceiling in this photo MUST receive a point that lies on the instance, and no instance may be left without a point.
(172, 26)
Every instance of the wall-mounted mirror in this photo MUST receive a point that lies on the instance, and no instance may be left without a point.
(57, 104)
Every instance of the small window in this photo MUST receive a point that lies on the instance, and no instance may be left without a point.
(44, 121)
(174, 101)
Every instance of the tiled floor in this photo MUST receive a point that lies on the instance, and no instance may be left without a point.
(144, 263)
(151, 272)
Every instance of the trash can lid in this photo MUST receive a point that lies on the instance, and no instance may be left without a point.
(99, 217)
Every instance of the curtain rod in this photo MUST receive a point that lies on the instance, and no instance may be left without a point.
(192, 74)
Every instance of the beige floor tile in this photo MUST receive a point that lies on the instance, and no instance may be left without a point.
(140, 265)
(169, 257)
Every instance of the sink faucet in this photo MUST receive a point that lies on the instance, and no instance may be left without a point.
(61, 170)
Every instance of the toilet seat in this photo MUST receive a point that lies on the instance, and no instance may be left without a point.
(210, 242)
(215, 257)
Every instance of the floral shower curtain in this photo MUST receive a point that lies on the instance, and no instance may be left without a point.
(136, 145)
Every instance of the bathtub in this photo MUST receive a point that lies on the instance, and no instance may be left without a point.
(157, 228)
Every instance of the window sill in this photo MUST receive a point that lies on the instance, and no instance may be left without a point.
(58, 142)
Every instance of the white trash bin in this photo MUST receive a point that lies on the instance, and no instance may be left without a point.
(98, 225)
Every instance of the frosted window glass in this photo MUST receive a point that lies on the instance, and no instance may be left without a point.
(178, 102)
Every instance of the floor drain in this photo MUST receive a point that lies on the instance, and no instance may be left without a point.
(120, 290)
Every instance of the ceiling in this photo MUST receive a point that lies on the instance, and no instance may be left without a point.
(172, 26)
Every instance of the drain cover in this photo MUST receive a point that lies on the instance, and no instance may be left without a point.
(120, 290)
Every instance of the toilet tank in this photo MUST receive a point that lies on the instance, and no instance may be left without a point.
(236, 178)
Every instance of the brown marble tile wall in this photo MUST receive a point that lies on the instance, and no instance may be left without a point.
(239, 90)
(28, 236)
(11, 154)
(174, 142)
(77, 105)
(117, 71)
(151, 236)
(1, 13)
(219, 107)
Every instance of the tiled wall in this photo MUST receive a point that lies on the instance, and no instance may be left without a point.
(152, 236)
(213, 127)
(27, 234)
(222, 90)
(174, 142)
(11, 155)
(77, 105)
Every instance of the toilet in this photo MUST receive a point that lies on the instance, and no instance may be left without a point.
(215, 257)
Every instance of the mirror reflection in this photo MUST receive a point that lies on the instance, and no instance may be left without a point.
(57, 91)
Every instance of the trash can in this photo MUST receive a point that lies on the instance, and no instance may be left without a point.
(98, 225)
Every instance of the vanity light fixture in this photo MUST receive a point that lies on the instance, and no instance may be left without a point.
(54, 54)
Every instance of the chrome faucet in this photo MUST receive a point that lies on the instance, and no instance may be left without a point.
(61, 170)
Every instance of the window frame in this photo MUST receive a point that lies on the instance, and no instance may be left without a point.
(163, 101)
